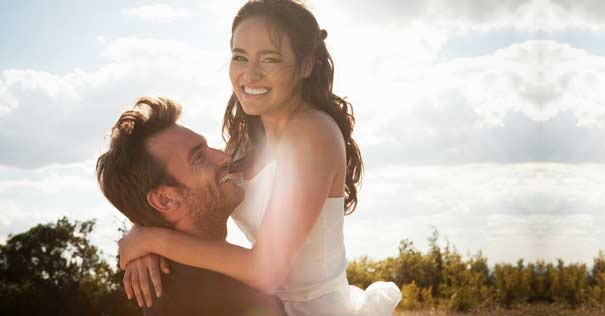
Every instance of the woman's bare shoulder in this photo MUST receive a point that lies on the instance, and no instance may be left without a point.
(313, 131)
(313, 123)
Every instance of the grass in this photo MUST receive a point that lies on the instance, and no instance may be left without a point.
(523, 310)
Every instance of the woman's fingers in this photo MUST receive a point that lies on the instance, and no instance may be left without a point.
(137, 275)
(134, 278)
(123, 265)
(122, 262)
(127, 283)
(144, 282)
(164, 265)
(154, 273)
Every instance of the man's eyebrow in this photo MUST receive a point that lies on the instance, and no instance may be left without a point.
(195, 149)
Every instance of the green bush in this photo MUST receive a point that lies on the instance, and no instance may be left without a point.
(55, 263)
(412, 296)
(443, 277)
(362, 272)
(597, 281)
(52, 269)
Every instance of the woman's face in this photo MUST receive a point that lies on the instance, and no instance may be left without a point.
(265, 78)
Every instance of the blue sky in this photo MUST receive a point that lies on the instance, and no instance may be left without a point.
(63, 35)
(483, 119)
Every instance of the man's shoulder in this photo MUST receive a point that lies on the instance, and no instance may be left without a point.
(190, 291)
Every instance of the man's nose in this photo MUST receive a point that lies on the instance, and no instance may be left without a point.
(222, 158)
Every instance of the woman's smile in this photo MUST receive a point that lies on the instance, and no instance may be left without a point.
(253, 91)
(262, 70)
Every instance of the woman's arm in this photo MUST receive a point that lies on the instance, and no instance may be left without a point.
(310, 154)
(219, 256)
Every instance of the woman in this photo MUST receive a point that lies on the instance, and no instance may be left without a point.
(294, 137)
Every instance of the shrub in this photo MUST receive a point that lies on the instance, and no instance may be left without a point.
(412, 295)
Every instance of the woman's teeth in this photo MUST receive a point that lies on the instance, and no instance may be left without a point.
(254, 91)
(238, 178)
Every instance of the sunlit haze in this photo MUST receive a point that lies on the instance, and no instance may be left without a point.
(482, 119)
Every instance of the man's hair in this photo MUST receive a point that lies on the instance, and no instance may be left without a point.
(127, 171)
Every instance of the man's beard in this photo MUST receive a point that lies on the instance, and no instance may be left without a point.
(207, 208)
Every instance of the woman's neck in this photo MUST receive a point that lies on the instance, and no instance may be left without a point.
(275, 122)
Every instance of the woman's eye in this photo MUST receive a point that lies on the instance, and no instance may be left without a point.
(238, 58)
(271, 60)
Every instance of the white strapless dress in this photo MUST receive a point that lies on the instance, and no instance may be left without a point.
(317, 282)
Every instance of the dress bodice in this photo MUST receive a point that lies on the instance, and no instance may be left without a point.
(320, 266)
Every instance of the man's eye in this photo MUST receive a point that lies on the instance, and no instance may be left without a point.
(198, 158)
(238, 58)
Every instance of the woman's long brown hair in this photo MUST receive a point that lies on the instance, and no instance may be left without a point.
(244, 133)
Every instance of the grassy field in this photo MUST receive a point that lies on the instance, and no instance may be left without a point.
(525, 310)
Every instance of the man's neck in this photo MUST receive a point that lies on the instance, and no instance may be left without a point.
(213, 231)
(205, 229)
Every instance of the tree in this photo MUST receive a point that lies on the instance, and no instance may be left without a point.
(53, 269)
(512, 284)
(361, 272)
(597, 280)
(436, 259)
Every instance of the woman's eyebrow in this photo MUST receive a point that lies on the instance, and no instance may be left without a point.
(262, 52)
(269, 51)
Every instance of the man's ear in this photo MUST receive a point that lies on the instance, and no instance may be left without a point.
(307, 66)
(164, 199)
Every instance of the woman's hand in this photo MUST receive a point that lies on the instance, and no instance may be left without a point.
(132, 246)
(137, 275)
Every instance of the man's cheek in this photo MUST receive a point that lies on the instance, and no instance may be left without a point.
(213, 195)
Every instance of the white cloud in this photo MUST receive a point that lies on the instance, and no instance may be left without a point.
(63, 118)
(509, 211)
(161, 13)
(53, 86)
(484, 16)
(43, 195)
(449, 109)
(531, 101)
(537, 78)
(586, 14)
(7, 101)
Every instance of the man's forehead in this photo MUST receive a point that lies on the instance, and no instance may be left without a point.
(175, 132)
(173, 140)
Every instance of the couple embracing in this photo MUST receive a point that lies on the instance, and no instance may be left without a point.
(288, 176)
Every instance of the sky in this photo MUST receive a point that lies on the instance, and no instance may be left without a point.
(482, 119)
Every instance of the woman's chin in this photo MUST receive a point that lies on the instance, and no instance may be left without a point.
(251, 110)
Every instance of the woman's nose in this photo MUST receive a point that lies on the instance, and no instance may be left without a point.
(254, 71)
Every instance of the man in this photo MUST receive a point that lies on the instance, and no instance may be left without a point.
(159, 173)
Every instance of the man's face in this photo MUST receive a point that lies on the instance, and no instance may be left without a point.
(208, 193)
